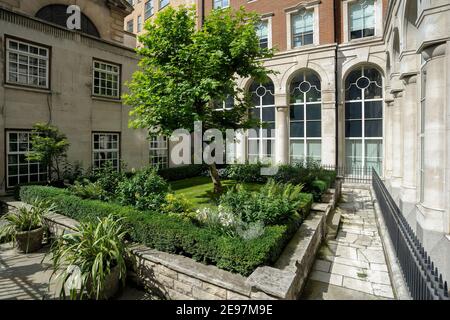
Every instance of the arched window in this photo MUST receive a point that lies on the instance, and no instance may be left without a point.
(305, 129)
(57, 14)
(364, 120)
(261, 140)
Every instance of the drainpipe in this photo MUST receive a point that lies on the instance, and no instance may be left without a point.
(336, 113)
(203, 13)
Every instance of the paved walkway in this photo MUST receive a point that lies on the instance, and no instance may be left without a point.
(352, 266)
(26, 277)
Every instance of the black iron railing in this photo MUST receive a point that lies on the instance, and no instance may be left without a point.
(422, 277)
(353, 174)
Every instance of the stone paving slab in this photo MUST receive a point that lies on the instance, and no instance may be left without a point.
(352, 266)
(26, 277)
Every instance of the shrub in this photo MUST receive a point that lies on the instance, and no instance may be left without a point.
(88, 190)
(274, 203)
(177, 204)
(170, 233)
(146, 190)
(183, 172)
(249, 172)
(108, 178)
(318, 187)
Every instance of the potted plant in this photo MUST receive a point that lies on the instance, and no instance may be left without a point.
(91, 261)
(25, 226)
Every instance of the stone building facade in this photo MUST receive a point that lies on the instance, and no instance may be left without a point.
(379, 72)
(70, 78)
(359, 84)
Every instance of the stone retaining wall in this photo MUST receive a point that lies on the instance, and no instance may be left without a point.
(178, 277)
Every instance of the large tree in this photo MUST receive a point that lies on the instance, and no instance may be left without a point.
(185, 70)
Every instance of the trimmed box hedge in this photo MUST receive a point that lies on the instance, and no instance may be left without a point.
(174, 235)
(182, 172)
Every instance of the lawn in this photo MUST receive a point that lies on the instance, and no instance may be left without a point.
(199, 190)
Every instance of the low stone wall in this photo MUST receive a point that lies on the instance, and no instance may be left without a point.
(178, 277)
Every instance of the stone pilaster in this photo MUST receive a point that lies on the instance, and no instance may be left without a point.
(388, 139)
(409, 116)
(397, 144)
(432, 214)
(282, 129)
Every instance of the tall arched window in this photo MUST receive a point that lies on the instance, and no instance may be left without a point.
(364, 120)
(57, 14)
(261, 140)
(305, 129)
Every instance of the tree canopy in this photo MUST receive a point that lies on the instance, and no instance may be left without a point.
(185, 70)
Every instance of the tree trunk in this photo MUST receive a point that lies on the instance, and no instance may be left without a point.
(215, 178)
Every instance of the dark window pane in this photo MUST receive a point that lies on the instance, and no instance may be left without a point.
(297, 96)
(373, 91)
(373, 109)
(268, 99)
(353, 128)
(368, 32)
(353, 110)
(308, 38)
(313, 112)
(12, 170)
(353, 93)
(313, 95)
(12, 181)
(313, 129)
(373, 128)
(255, 113)
(297, 129)
(296, 113)
(268, 114)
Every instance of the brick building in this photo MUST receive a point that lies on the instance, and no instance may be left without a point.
(360, 84)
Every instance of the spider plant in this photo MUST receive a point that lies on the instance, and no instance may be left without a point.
(25, 220)
(95, 250)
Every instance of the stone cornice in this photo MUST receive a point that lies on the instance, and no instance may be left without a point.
(301, 5)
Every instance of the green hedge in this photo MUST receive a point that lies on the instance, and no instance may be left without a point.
(182, 172)
(172, 234)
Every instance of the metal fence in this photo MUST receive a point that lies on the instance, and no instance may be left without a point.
(354, 174)
(422, 277)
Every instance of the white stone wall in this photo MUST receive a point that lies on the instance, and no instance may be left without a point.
(417, 39)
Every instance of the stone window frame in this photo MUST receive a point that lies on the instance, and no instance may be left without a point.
(163, 4)
(130, 25)
(149, 9)
(378, 7)
(159, 151)
(106, 150)
(39, 47)
(117, 73)
(314, 6)
(268, 18)
(363, 138)
(214, 2)
(139, 23)
(41, 175)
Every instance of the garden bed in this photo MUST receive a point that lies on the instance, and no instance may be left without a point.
(174, 235)
(176, 277)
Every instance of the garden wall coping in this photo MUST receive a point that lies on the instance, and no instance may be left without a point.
(190, 267)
